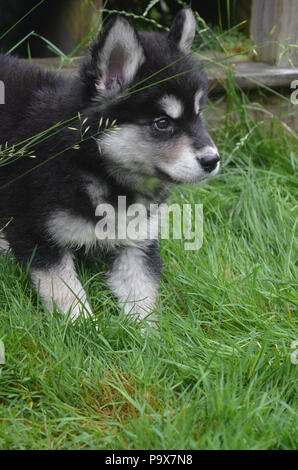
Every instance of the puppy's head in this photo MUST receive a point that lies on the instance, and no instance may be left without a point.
(149, 83)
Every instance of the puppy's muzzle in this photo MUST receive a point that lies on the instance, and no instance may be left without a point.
(209, 162)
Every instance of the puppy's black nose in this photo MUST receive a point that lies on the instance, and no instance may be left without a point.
(209, 162)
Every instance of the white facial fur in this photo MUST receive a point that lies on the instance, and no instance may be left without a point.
(172, 106)
(132, 150)
(185, 167)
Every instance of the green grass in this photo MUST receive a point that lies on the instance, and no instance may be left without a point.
(217, 374)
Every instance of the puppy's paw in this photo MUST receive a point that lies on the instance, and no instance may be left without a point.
(80, 310)
(142, 311)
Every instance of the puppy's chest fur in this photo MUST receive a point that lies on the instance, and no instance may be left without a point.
(70, 228)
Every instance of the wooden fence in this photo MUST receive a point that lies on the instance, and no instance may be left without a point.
(274, 30)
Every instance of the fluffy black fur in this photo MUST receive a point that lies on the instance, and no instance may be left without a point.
(36, 100)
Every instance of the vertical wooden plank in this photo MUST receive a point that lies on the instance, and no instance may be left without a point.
(274, 27)
(75, 20)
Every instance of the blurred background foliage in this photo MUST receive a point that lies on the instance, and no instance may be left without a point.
(48, 20)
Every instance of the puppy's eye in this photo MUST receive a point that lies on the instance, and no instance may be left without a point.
(162, 124)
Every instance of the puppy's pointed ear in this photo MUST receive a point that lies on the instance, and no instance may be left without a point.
(183, 29)
(116, 56)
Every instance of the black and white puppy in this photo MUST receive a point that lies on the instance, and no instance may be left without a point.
(148, 83)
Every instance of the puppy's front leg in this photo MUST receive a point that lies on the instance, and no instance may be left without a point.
(134, 279)
(59, 285)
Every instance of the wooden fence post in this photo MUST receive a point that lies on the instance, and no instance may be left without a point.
(274, 28)
(75, 19)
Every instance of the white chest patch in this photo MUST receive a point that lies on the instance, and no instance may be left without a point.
(71, 231)
(74, 231)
